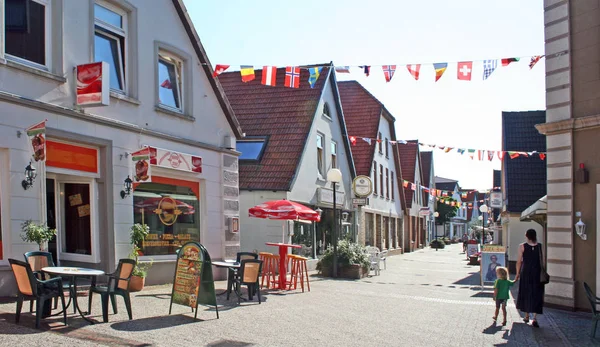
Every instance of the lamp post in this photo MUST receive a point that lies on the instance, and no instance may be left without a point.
(334, 176)
(315, 231)
(435, 215)
(483, 209)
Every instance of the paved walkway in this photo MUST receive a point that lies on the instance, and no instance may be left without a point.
(426, 298)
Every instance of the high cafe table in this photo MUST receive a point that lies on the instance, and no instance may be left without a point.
(283, 251)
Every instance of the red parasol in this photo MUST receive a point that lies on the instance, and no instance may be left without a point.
(284, 210)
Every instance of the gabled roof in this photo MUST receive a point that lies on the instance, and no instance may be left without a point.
(525, 177)
(408, 154)
(445, 183)
(472, 195)
(203, 59)
(284, 115)
(362, 112)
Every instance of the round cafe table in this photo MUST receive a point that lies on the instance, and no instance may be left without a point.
(283, 251)
(73, 273)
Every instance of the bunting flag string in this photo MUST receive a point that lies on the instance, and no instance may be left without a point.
(463, 69)
(479, 154)
(444, 196)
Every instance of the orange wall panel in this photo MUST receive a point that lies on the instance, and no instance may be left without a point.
(71, 157)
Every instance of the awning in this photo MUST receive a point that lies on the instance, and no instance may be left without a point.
(536, 212)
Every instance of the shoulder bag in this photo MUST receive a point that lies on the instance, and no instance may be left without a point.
(544, 277)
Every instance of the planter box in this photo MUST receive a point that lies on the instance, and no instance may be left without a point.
(474, 260)
(351, 272)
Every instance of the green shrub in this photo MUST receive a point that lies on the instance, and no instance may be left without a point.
(348, 253)
(437, 244)
(38, 233)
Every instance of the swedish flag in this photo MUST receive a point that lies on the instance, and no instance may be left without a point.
(314, 72)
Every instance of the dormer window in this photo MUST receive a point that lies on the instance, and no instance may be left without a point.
(251, 150)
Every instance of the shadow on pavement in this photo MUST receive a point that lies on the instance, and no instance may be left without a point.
(492, 329)
(472, 279)
(153, 323)
(483, 295)
(228, 343)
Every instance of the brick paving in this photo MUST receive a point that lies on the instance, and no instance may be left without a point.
(426, 298)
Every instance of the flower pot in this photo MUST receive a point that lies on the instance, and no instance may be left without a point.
(136, 283)
(43, 246)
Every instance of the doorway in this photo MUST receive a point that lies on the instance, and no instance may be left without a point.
(69, 210)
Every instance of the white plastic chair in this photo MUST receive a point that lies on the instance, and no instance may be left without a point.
(383, 257)
(374, 260)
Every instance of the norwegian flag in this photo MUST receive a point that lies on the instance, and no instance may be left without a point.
(490, 155)
(500, 154)
(414, 70)
(388, 71)
(292, 77)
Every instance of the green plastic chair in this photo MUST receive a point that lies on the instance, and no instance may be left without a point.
(594, 300)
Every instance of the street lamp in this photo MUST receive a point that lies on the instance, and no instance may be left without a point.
(435, 215)
(334, 176)
(483, 209)
(316, 230)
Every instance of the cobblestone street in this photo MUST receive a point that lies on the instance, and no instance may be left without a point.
(426, 298)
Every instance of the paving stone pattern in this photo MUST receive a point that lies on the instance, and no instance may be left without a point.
(426, 298)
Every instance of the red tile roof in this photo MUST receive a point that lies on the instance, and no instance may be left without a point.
(283, 114)
(363, 113)
(408, 160)
(426, 160)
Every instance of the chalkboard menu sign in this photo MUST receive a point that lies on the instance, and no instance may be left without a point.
(193, 283)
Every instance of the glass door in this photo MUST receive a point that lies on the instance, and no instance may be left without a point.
(76, 224)
(51, 216)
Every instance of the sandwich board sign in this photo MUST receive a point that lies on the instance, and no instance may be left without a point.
(193, 282)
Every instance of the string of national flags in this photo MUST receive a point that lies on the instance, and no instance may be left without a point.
(464, 70)
(443, 196)
(479, 154)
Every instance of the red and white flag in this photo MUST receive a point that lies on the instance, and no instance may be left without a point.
(388, 71)
(269, 74)
(414, 70)
(464, 70)
(480, 154)
(490, 155)
(219, 69)
(166, 84)
(500, 154)
(292, 77)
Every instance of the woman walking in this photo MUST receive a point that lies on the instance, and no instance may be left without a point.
(529, 266)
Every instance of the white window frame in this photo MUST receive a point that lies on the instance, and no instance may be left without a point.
(375, 179)
(179, 72)
(114, 33)
(326, 108)
(47, 38)
(321, 155)
(334, 160)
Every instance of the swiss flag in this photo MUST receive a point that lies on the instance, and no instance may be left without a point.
(464, 70)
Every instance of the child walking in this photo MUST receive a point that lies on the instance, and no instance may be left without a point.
(501, 291)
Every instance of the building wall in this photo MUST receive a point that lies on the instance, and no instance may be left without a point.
(254, 232)
(516, 235)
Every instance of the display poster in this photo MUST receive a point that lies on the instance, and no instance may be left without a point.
(75, 200)
(142, 170)
(490, 261)
(472, 249)
(37, 138)
(193, 284)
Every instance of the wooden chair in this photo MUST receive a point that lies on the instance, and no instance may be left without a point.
(269, 268)
(118, 284)
(299, 268)
(594, 300)
(39, 260)
(249, 275)
(31, 288)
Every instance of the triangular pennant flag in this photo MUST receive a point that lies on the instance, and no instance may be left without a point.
(366, 69)
(463, 195)
(524, 154)
(513, 155)
(353, 140)
(448, 149)
(452, 203)
(342, 69)
(314, 72)
(488, 67)
(433, 192)
(534, 60)
(461, 151)
(507, 61)
(166, 84)
(542, 156)
(367, 140)
(440, 68)
(392, 142)
(247, 72)
(405, 183)
(402, 142)
(388, 72)
(441, 147)
(500, 155)
(414, 70)
(490, 155)
(471, 153)
(413, 186)
(269, 74)
(219, 69)
(480, 154)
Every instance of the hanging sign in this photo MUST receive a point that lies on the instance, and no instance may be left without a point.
(362, 186)
(175, 160)
(496, 199)
(141, 159)
(37, 138)
(193, 283)
(93, 87)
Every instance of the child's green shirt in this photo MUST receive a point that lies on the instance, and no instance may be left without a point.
(503, 287)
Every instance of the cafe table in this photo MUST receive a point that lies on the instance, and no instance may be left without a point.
(283, 251)
(73, 273)
(231, 265)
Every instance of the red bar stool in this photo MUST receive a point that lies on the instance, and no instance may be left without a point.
(298, 268)
(270, 266)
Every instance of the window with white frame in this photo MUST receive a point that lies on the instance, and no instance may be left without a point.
(333, 155)
(27, 32)
(375, 186)
(387, 148)
(326, 111)
(170, 86)
(110, 42)
(379, 140)
(320, 155)
(392, 187)
(387, 183)
(381, 180)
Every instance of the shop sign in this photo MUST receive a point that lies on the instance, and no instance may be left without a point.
(37, 138)
(71, 157)
(494, 248)
(496, 199)
(93, 87)
(175, 160)
(362, 186)
(193, 282)
(142, 169)
(325, 196)
(360, 201)
(424, 211)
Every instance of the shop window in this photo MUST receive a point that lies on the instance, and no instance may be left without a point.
(303, 236)
(170, 86)
(381, 180)
(251, 149)
(333, 155)
(171, 211)
(375, 186)
(26, 29)
(320, 155)
(110, 42)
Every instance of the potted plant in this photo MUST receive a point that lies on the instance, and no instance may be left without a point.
(352, 260)
(138, 278)
(437, 244)
(38, 233)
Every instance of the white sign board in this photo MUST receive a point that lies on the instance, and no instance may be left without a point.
(496, 199)
(325, 196)
(362, 186)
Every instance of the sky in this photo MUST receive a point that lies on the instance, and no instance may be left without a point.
(459, 114)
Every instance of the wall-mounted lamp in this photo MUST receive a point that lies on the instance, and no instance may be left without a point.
(582, 175)
(344, 216)
(127, 184)
(30, 176)
(580, 227)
